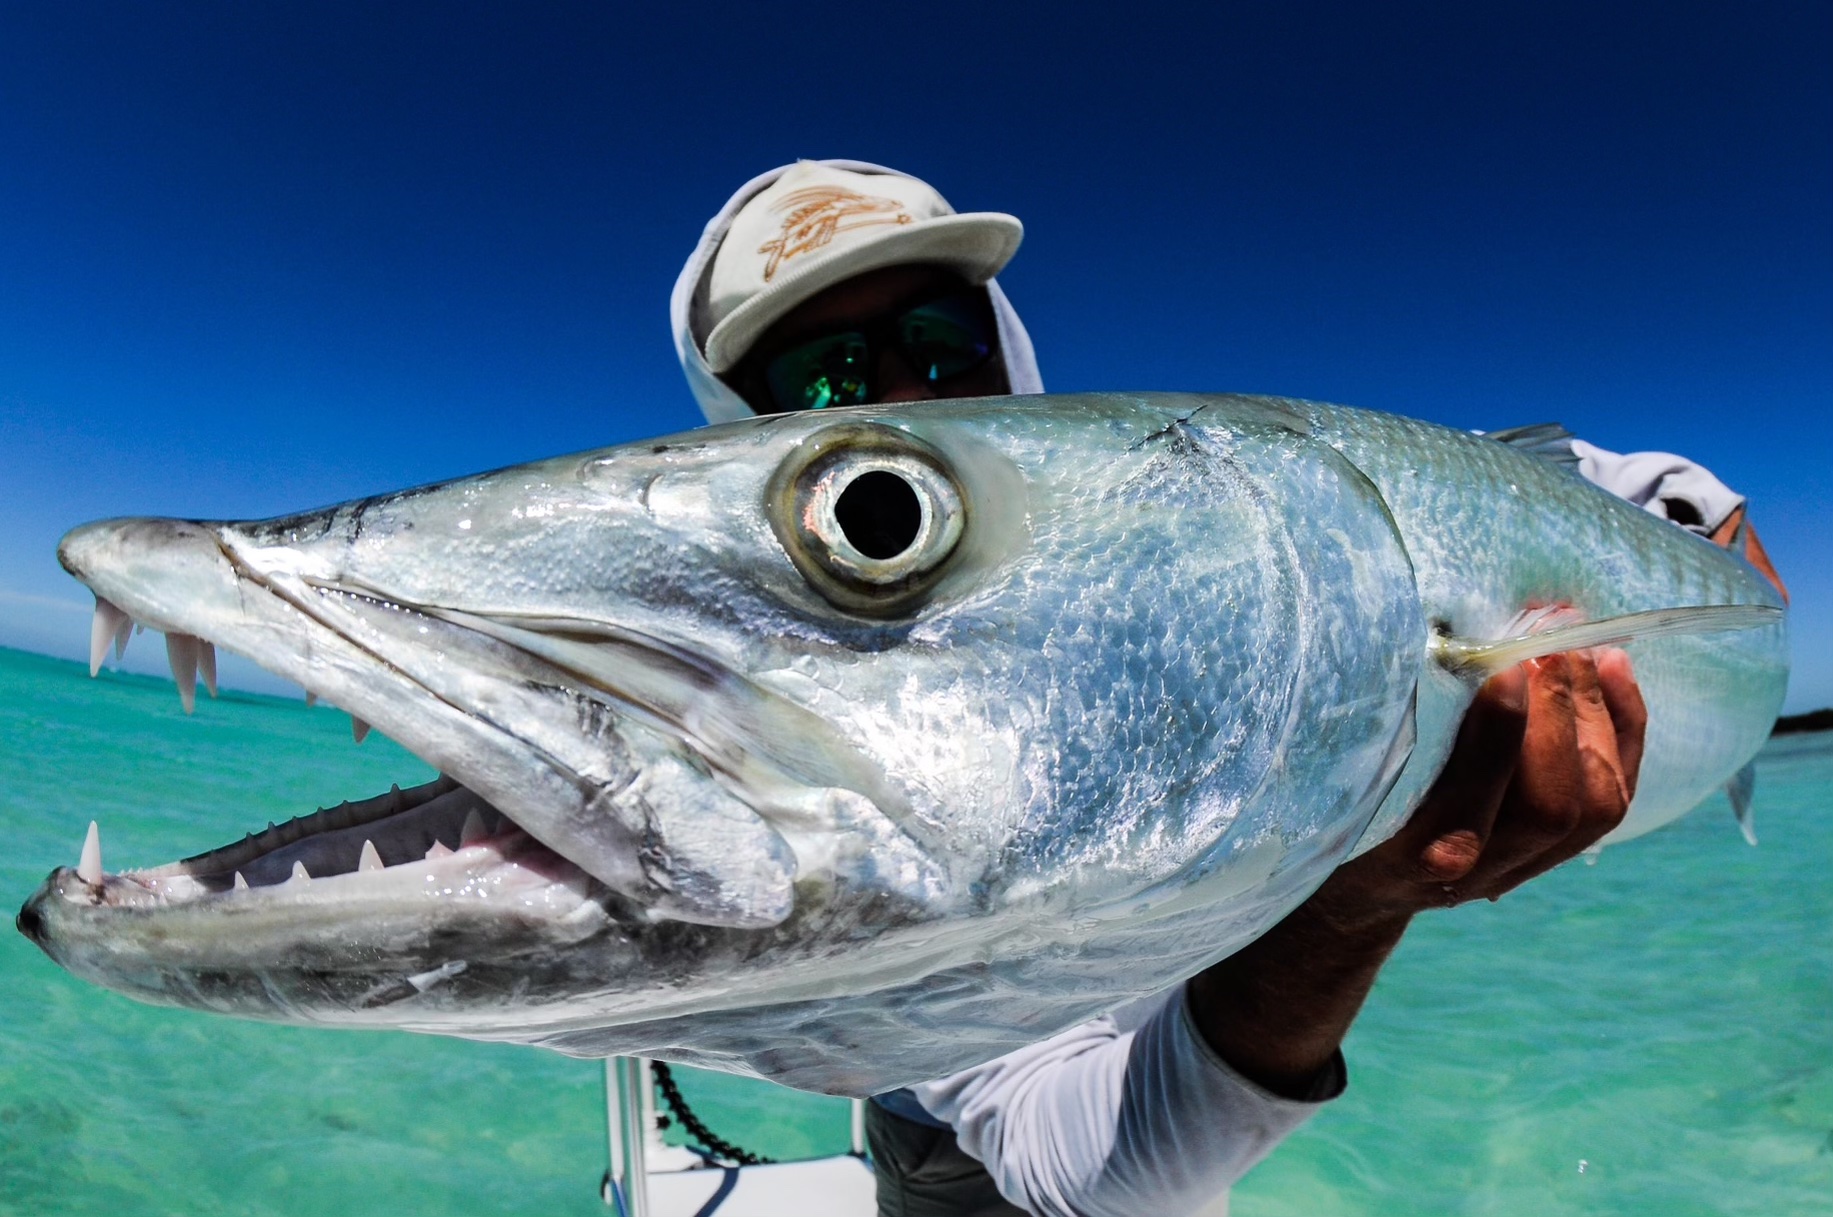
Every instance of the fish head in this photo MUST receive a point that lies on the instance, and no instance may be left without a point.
(787, 714)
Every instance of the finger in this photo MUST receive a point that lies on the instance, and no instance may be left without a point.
(1599, 790)
(1726, 534)
(1452, 827)
(1629, 713)
(1541, 807)
(1603, 786)
(1758, 557)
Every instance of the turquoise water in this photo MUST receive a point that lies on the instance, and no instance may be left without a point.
(1653, 1034)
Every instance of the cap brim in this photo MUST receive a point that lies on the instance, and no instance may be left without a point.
(977, 244)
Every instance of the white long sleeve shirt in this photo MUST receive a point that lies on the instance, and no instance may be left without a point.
(1129, 1114)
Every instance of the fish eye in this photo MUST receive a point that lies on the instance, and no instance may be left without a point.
(879, 514)
(869, 515)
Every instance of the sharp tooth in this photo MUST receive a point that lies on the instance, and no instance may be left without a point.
(359, 729)
(181, 649)
(105, 627)
(473, 831)
(206, 664)
(299, 872)
(89, 864)
(241, 884)
(371, 860)
(440, 850)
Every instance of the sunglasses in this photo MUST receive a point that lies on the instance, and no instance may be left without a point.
(941, 339)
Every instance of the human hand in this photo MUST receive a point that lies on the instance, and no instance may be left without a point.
(1544, 766)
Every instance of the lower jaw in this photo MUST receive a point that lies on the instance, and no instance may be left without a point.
(315, 914)
(354, 966)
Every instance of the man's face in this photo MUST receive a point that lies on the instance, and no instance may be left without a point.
(903, 333)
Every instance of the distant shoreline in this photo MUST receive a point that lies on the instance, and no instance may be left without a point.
(1813, 720)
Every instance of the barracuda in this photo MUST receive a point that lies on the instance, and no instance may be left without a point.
(853, 747)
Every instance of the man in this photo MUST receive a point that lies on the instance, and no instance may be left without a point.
(838, 283)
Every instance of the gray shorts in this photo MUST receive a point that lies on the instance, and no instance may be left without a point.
(922, 1172)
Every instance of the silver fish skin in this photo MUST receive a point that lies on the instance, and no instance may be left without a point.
(851, 748)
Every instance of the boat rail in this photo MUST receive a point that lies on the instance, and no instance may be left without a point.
(647, 1177)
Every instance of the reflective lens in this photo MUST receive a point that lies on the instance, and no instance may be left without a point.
(945, 337)
(940, 339)
(829, 371)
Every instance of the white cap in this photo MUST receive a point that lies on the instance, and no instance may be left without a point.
(819, 224)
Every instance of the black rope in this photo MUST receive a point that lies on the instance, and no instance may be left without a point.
(717, 1146)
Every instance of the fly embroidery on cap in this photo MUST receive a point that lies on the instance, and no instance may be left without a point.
(812, 217)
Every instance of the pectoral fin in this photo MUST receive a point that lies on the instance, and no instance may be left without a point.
(1742, 790)
(1479, 659)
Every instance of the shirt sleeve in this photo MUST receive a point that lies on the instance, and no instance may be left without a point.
(1666, 485)
(1112, 1118)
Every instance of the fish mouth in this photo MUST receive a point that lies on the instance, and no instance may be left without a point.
(408, 885)
(511, 850)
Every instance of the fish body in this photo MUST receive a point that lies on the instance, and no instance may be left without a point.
(850, 748)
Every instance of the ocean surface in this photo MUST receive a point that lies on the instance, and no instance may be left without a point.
(1649, 1035)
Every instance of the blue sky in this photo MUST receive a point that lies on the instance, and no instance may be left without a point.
(259, 257)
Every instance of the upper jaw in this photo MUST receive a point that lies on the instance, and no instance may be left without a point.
(505, 723)
(184, 578)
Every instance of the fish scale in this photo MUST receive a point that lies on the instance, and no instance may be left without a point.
(1543, 535)
(761, 801)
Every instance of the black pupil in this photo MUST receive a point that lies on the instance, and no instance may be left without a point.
(880, 514)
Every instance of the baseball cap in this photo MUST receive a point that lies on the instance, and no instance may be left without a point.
(818, 225)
